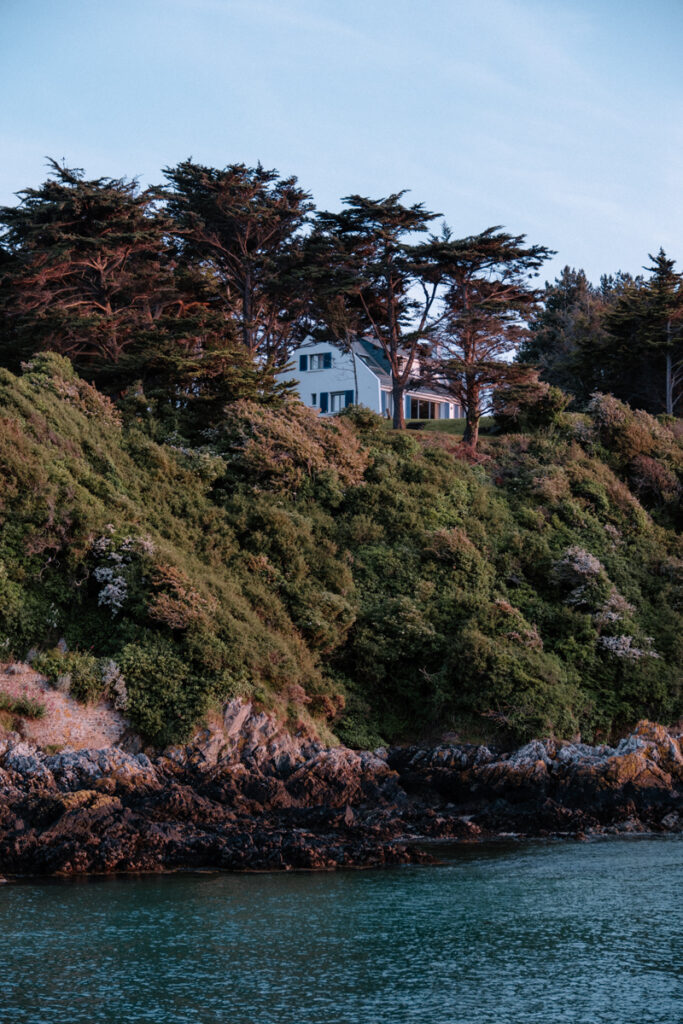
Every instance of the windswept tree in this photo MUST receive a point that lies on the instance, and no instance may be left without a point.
(243, 225)
(487, 301)
(381, 277)
(88, 273)
(334, 312)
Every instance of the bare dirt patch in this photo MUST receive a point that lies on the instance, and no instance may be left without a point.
(66, 722)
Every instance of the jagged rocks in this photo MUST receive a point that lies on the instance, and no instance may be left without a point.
(246, 794)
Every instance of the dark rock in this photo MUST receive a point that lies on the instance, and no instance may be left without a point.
(250, 796)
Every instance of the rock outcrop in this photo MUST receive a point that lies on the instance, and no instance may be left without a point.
(247, 794)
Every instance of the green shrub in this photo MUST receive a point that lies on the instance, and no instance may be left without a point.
(75, 672)
(23, 706)
(165, 700)
(336, 559)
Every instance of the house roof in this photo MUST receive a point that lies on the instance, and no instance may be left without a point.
(373, 356)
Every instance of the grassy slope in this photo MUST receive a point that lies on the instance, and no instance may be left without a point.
(369, 579)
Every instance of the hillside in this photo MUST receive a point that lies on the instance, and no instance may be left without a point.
(366, 583)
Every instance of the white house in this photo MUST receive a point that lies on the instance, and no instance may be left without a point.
(329, 379)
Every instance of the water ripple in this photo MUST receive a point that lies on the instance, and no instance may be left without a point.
(513, 935)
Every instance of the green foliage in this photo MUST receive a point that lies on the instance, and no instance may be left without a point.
(624, 336)
(25, 707)
(370, 576)
(529, 405)
(76, 672)
(280, 449)
(165, 699)
(646, 451)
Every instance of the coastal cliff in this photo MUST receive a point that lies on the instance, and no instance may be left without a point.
(207, 616)
(246, 794)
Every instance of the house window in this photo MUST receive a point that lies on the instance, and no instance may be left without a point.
(321, 361)
(421, 409)
(337, 401)
(314, 399)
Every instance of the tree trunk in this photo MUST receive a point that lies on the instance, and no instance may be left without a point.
(472, 412)
(397, 392)
(669, 385)
(471, 435)
(355, 372)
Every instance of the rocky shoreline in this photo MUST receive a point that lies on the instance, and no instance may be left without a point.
(248, 795)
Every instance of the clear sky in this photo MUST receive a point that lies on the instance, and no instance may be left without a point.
(561, 119)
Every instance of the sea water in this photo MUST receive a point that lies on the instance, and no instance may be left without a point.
(511, 934)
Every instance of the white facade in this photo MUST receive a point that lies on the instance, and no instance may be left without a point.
(329, 380)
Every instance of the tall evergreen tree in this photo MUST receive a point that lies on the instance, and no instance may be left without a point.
(244, 225)
(567, 334)
(487, 302)
(644, 354)
(384, 279)
(88, 273)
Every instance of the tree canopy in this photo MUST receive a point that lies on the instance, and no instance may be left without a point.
(487, 301)
(194, 294)
(243, 224)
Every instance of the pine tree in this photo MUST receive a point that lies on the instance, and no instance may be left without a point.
(644, 352)
(487, 302)
(566, 334)
(243, 225)
(381, 275)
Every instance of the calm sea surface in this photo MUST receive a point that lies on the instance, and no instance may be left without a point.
(517, 934)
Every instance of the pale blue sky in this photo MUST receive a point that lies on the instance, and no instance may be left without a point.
(562, 119)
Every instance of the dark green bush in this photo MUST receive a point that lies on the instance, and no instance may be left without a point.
(77, 673)
(336, 559)
(165, 700)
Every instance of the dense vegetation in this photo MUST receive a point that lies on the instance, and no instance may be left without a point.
(195, 292)
(371, 579)
(176, 529)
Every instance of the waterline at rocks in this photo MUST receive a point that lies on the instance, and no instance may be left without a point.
(248, 795)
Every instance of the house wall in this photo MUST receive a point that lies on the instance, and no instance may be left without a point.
(339, 377)
(448, 410)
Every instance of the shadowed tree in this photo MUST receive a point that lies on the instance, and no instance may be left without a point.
(568, 340)
(88, 273)
(382, 279)
(643, 356)
(89, 270)
(566, 332)
(243, 223)
(487, 301)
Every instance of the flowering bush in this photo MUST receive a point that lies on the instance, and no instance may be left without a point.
(615, 609)
(625, 647)
(120, 558)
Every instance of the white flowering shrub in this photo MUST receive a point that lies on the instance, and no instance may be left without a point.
(625, 647)
(584, 574)
(118, 558)
(615, 609)
(115, 590)
(114, 683)
(577, 565)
